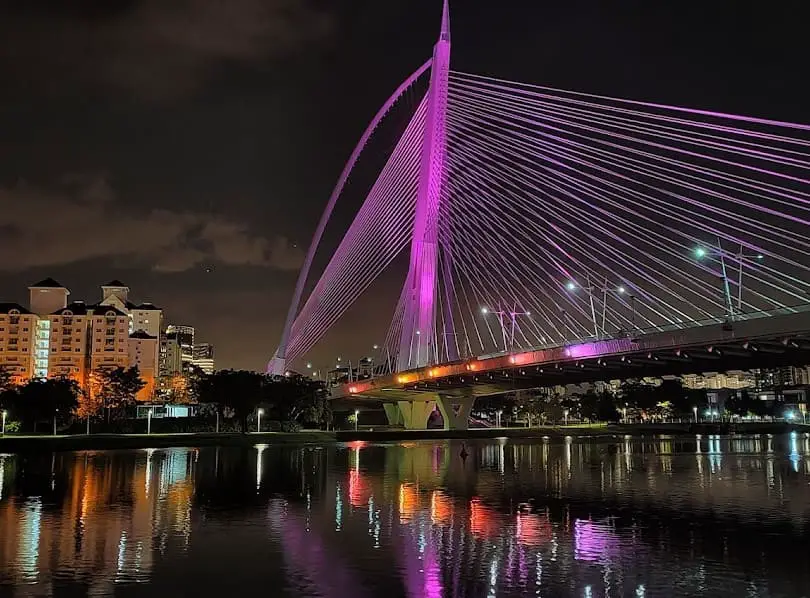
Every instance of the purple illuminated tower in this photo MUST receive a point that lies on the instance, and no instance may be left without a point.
(418, 344)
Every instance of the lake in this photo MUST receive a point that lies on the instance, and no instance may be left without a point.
(710, 516)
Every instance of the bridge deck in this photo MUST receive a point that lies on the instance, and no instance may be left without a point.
(758, 341)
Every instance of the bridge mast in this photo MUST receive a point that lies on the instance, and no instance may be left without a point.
(418, 343)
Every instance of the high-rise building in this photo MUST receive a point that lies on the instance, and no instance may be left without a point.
(147, 318)
(204, 357)
(54, 338)
(144, 354)
(109, 338)
(18, 328)
(65, 333)
(184, 335)
(47, 296)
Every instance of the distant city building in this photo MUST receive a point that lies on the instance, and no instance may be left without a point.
(184, 335)
(204, 357)
(55, 338)
(144, 353)
(171, 357)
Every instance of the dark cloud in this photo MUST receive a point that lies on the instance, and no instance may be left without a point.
(81, 219)
(154, 49)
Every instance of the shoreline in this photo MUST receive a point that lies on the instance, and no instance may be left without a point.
(13, 443)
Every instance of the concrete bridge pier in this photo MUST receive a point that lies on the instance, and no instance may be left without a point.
(456, 410)
(415, 414)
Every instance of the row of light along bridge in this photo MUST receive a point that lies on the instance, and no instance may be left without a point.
(758, 340)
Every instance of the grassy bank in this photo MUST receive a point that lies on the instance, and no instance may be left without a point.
(13, 443)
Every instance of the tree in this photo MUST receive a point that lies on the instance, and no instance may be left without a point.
(90, 404)
(118, 388)
(296, 399)
(241, 391)
(8, 391)
(6, 381)
(529, 406)
(43, 399)
(598, 407)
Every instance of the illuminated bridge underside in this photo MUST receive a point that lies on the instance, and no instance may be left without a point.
(759, 342)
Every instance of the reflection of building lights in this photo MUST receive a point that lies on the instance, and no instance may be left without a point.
(441, 508)
(29, 540)
(484, 521)
(338, 508)
(408, 502)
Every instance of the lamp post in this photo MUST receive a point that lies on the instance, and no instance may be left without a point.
(741, 257)
(149, 421)
(88, 425)
(619, 291)
(259, 413)
(513, 315)
(54, 421)
(694, 412)
(5, 414)
(217, 428)
(565, 415)
(498, 414)
(356, 419)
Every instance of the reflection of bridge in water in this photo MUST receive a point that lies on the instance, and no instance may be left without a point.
(512, 517)
(511, 508)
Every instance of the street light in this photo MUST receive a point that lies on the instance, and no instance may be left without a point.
(572, 286)
(498, 414)
(741, 257)
(5, 414)
(217, 412)
(259, 412)
(54, 421)
(694, 412)
(513, 315)
(565, 415)
(149, 421)
(356, 419)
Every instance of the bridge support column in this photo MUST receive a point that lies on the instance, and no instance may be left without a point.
(456, 411)
(394, 414)
(415, 414)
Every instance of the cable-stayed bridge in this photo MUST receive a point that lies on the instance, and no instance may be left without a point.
(565, 232)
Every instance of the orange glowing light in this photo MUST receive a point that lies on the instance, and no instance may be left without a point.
(484, 521)
(532, 529)
(441, 508)
(408, 502)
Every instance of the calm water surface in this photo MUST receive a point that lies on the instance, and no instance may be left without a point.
(656, 517)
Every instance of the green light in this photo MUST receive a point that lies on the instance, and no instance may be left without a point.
(700, 253)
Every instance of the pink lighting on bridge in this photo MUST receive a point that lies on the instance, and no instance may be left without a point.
(584, 350)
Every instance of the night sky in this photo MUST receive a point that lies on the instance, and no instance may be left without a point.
(188, 147)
